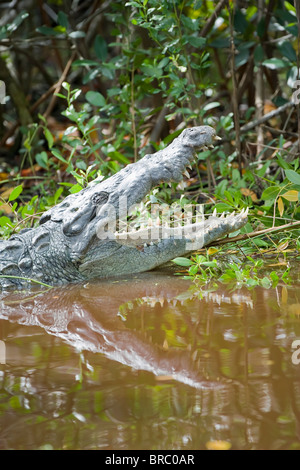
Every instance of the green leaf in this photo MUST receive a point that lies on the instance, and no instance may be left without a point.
(193, 270)
(81, 165)
(62, 19)
(58, 155)
(95, 98)
(5, 220)
(182, 261)
(84, 62)
(60, 29)
(222, 206)
(274, 276)
(66, 86)
(270, 193)
(266, 282)
(15, 193)
(252, 282)
(47, 31)
(240, 22)
(293, 29)
(58, 194)
(196, 41)
(42, 159)
(70, 130)
(75, 188)
(221, 43)
(100, 47)
(172, 136)
(274, 63)
(15, 402)
(258, 54)
(77, 34)
(210, 264)
(212, 105)
(17, 21)
(282, 163)
(241, 58)
(49, 137)
(288, 51)
(115, 155)
(292, 176)
(151, 70)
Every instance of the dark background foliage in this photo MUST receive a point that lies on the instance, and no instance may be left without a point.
(94, 85)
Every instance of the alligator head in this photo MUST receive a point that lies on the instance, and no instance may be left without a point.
(78, 239)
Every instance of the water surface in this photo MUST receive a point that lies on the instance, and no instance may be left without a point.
(146, 363)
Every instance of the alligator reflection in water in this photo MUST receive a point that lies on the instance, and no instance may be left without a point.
(91, 318)
(226, 360)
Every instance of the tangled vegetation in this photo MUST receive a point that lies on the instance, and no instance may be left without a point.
(93, 86)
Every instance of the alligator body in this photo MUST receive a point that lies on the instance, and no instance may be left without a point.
(78, 239)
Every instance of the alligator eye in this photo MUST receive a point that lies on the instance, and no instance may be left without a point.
(100, 198)
(45, 217)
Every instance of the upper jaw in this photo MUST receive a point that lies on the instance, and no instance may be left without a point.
(101, 221)
(98, 222)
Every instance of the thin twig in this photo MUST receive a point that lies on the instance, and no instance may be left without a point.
(259, 91)
(235, 93)
(246, 236)
(35, 105)
(59, 84)
(132, 110)
(267, 116)
(26, 279)
(279, 131)
(211, 20)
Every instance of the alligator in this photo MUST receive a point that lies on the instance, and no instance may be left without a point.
(79, 239)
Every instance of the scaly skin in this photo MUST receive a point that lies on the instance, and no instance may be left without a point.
(76, 240)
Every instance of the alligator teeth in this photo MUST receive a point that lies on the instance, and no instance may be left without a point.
(190, 167)
(222, 215)
(246, 212)
(214, 213)
(205, 147)
(211, 146)
(216, 137)
(186, 173)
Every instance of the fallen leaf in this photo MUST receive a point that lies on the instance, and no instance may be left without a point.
(5, 208)
(4, 176)
(6, 192)
(212, 251)
(249, 192)
(31, 171)
(291, 195)
(280, 206)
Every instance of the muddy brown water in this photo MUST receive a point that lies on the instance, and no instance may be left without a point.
(146, 363)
